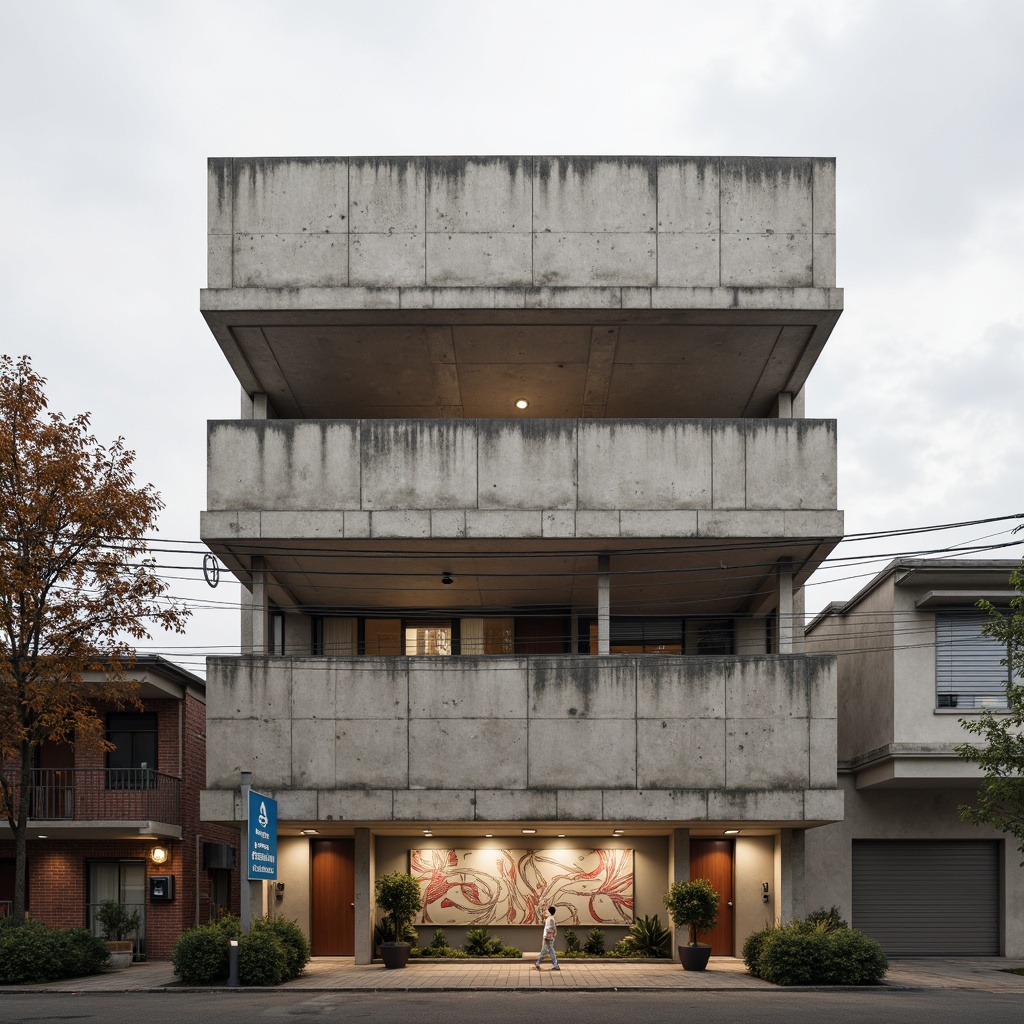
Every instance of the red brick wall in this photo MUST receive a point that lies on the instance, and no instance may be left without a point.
(58, 869)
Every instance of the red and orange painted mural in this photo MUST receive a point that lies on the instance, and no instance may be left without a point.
(485, 887)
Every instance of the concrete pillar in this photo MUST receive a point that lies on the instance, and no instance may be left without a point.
(604, 604)
(259, 607)
(255, 406)
(791, 876)
(364, 858)
(785, 577)
(785, 405)
(679, 869)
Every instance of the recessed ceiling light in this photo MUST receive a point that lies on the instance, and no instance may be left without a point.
(618, 832)
(42, 837)
(529, 831)
(309, 832)
(732, 831)
(488, 835)
(522, 403)
(561, 835)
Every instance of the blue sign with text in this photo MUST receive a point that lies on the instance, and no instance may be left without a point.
(262, 845)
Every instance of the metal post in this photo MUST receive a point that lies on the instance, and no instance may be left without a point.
(233, 981)
(243, 886)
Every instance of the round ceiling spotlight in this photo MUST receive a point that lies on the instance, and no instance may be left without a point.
(447, 579)
(522, 403)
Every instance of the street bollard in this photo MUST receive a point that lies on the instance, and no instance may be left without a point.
(233, 981)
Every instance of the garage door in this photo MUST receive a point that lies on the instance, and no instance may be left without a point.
(925, 898)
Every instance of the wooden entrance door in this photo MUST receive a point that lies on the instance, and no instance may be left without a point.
(332, 897)
(712, 859)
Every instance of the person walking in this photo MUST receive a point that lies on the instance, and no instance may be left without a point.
(548, 941)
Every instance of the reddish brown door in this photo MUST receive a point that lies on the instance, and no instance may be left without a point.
(712, 859)
(333, 897)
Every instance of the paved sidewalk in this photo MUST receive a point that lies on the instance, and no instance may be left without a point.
(326, 974)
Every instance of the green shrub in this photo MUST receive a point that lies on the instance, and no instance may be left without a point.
(200, 956)
(826, 919)
(384, 931)
(86, 953)
(117, 922)
(851, 958)
(480, 943)
(32, 952)
(398, 894)
(511, 952)
(261, 958)
(440, 940)
(291, 937)
(595, 942)
(624, 947)
(752, 946)
(647, 937)
(572, 941)
(805, 953)
(230, 925)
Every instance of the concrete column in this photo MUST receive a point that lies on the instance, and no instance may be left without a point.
(604, 604)
(790, 897)
(680, 855)
(785, 575)
(785, 405)
(364, 868)
(679, 869)
(259, 607)
(255, 406)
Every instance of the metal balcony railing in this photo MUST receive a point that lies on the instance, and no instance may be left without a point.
(102, 794)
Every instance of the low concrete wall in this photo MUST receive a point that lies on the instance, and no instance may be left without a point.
(526, 478)
(587, 738)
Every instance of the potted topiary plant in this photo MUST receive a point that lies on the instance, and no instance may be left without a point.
(693, 905)
(119, 925)
(398, 895)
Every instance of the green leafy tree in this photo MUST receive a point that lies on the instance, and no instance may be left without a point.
(76, 586)
(1000, 800)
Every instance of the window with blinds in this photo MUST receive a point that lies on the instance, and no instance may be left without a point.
(969, 672)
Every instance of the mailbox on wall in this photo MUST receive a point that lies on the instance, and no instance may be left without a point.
(161, 888)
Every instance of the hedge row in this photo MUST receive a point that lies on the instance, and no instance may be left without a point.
(32, 952)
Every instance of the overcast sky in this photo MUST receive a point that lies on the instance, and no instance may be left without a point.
(110, 110)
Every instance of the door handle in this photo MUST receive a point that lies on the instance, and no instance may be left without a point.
(730, 903)
(352, 904)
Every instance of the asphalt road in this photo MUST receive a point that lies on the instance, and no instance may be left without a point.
(849, 1007)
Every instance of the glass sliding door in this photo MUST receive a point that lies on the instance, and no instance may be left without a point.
(125, 882)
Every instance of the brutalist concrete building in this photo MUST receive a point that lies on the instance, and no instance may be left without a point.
(523, 498)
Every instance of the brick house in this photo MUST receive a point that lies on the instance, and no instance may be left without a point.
(104, 825)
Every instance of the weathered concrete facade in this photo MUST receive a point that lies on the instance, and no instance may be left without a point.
(523, 498)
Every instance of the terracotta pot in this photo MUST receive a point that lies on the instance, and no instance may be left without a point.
(694, 958)
(395, 954)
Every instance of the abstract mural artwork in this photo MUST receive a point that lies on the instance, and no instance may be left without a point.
(484, 887)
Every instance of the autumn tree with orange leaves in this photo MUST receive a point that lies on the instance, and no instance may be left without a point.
(77, 587)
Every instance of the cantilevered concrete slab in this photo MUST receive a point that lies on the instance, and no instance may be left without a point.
(593, 287)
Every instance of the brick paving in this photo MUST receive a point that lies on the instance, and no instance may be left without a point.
(325, 974)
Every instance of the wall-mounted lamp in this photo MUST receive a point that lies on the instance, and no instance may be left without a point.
(522, 403)
(159, 855)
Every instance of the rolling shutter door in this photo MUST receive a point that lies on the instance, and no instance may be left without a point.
(928, 898)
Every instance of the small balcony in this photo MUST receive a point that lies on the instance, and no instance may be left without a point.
(74, 796)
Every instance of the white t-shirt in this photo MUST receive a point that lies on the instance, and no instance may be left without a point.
(550, 929)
